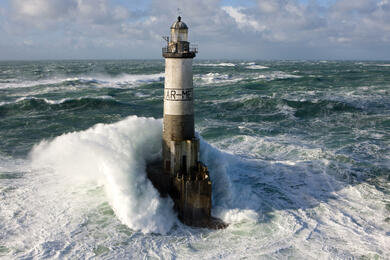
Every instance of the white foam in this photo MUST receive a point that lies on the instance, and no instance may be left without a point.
(114, 156)
(48, 101)
(228, 202)
(121, 81)
(5, 103)
(286, 205)
(132, 79)
(45, 82)
(364, 97)
(215, 78)
(222, 64)
(242, 98)
(256, 67)
(276, 75)
(221, 78)
(54, 102)
(238, 215)
(248, 63)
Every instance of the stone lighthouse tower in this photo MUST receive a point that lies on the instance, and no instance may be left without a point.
(186, 179)
(178, 100)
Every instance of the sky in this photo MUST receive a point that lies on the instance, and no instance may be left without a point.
(222, 29)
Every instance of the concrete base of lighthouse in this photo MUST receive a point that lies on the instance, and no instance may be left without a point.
(190, 189)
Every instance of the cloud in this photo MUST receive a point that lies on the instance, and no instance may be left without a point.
(290, 21)
(268, 6)
(360, 22)
(278, 20)
(266, 28)
(100, 12)
(361, 6)
(243, 21)
(40, 12)
(49, 13)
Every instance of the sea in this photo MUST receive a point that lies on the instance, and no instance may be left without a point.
(298, 154)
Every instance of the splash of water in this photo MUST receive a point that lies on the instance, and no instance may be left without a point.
(114, 156)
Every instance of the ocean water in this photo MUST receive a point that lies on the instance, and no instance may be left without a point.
(298, 152)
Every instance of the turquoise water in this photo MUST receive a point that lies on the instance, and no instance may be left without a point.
(299, 153)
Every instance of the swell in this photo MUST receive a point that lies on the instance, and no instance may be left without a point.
(31, 104)
(114, 156)
(263, 105)
(233, 78)
(305, 109)
(119, 81)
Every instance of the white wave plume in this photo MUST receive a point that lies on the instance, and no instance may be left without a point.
(215, 78)
(222, 64)
(115, 156)
(120, 81)
(256, 67)
(132, 79)
(277, 75)
(227, 202)
(55, 102)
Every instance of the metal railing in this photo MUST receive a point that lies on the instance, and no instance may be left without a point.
(194, 49)
(171, 50)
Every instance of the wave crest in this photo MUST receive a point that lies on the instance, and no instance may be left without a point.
(222, 64)
(114, 156)
(120, 81)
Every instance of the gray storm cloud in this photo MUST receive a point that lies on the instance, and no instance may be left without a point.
(279, 29)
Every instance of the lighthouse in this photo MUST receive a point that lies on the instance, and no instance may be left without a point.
(180, 147)
(180, 174)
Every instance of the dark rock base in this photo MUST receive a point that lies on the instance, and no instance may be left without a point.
(192, 197)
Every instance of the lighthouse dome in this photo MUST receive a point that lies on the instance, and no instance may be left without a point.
(179, 24)
(179, 31)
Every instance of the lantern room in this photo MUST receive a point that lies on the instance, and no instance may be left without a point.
(179, 31)
(178, 45)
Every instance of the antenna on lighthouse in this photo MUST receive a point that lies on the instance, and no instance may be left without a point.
(166, 38)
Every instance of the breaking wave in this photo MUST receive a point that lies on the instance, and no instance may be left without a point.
(214, 78)
(256, 67)
(222, 64)
(219, 78)
(114, 156)
(121, 81)
(43, 104)
(275, 75)
(60, 101)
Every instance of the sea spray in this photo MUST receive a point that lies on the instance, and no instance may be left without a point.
(313, 169)
(227, 204)
(58, 82)
(115, 156)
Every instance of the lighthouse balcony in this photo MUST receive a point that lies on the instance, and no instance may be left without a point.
(179, 50)
(170, 50)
